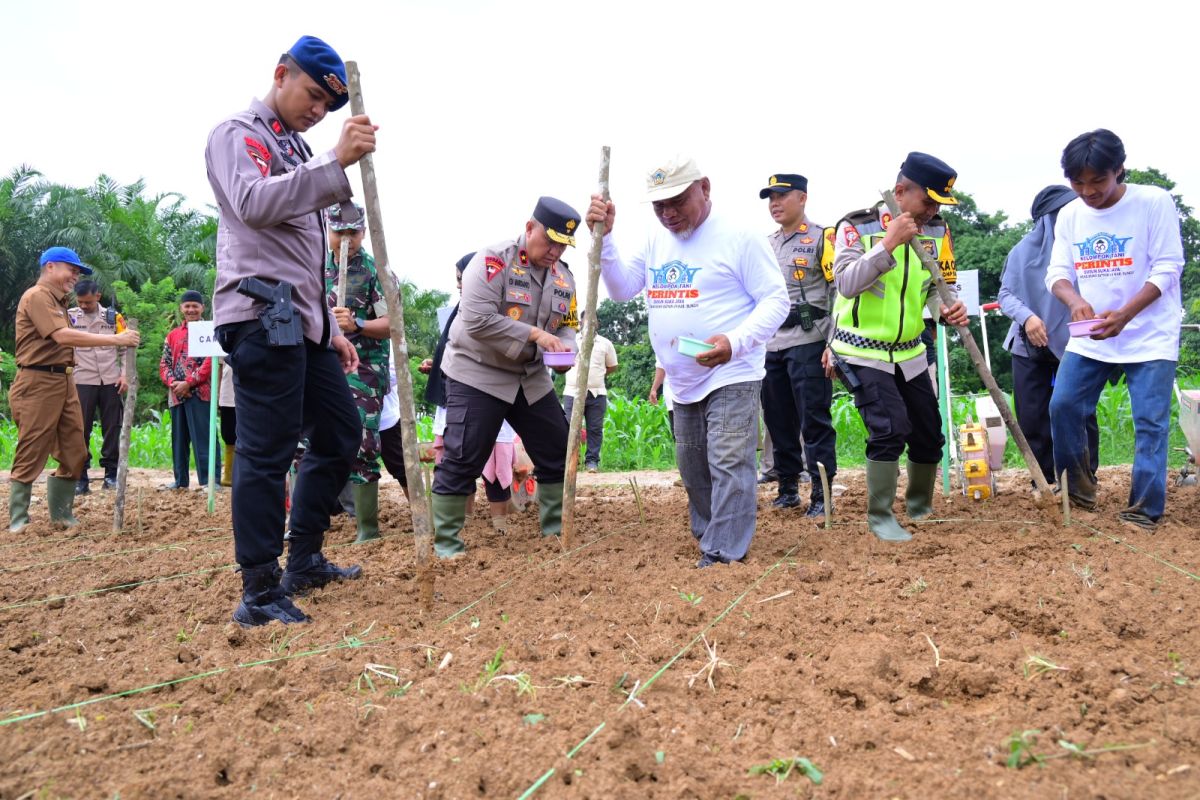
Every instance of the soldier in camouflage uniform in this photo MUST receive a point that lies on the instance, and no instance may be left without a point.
(364, 321)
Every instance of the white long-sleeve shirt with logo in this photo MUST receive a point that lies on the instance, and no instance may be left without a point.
(718, 280)
(1110, 254)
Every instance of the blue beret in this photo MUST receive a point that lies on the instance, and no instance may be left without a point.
(322, 63)
(64, 255)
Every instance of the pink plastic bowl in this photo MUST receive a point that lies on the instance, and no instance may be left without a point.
(1083, 327)
(558, 359)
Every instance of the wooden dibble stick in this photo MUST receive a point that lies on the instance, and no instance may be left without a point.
(985, 374)
(126, 432)
(418, 493)
(584, 362)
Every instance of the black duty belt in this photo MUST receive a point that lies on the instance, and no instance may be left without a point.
(57, 370)
(854, 340)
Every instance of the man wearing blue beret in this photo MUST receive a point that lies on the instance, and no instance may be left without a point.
(287, 354)
(45, 405)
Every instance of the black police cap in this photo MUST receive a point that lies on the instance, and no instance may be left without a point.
(559, 219)
(931, 174)
(784, 182)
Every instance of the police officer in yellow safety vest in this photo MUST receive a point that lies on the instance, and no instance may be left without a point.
(876, 343)
(517, 302)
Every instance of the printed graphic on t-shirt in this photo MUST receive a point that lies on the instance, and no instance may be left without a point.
(1104, 256)
(671, 286)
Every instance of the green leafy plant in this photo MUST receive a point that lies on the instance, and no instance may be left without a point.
(781, 768)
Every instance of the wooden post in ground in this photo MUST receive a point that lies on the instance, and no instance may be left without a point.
(126, 431)
(343, 266)
(418, 493)
(588, 330)
(985, 374)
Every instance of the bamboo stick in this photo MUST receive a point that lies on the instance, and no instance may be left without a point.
(985, 374)
(418, 493)
(126, 431)
(343, 265)
(584, 364)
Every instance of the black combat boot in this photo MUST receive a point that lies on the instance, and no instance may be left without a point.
(263, 599)
(81, 485)
(308, 569)
(789, 493)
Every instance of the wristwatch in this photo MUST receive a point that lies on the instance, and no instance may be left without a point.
(359, 324)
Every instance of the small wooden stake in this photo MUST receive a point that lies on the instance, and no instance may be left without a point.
(343, 265)
(585, 358)
(1066, 499)
(126, 432)
(828, 496)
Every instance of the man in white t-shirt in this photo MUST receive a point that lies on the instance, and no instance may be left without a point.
(603, 363)
(1117, 258)
(704, 279)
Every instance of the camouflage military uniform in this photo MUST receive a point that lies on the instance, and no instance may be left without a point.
(369, 385)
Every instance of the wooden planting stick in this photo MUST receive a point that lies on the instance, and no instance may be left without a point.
(985, 374)
(343, 260)
(418, 493)
(828, 496)
(584, 364)
(126, 432)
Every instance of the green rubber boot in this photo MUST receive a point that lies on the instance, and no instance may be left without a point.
(366, 510)
(449, 516)
(882, 477)
(60, 496)
(918, 498)
(550, 499)
(18, 505)
(227, 466)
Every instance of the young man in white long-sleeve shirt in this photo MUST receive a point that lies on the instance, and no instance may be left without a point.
(704, 279)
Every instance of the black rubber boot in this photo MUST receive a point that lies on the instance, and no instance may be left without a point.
(263, 599)
(789, 493)
(816, 504)
(110, 478)
(81, 485)
(308, 569)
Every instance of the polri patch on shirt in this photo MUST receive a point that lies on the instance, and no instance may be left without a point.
(514, 313)
(851, 235)
(494, 267)
(259, 154)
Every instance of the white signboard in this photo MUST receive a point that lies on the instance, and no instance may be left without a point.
(202, 340)
(968, 291)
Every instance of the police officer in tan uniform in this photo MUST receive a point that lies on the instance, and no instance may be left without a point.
(516, 304)
(45, 405)
(288, 356)
(796, 394)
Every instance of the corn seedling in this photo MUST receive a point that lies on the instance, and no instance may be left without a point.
(1021, 753)
(710, 667)
(79, 721)
(399, 691)
(533, 719)
(781, 768)
(378, 671)
(1085, 574)
(916, 587)
(355, 640)
(691, 598)
(281, 642)
(522, 681)
(1040, 665)
(490, 670)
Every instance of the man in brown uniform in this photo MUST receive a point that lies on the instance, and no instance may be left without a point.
(516, 304)
(44, 403)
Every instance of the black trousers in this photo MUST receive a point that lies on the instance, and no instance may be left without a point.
(473, 419)
(284, 394)
(107, 401)
(1033, 383)
(228, 415)
(796, 399)
(899, 413)
(391, 449)
(594, 409)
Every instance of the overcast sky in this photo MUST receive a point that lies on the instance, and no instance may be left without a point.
(484, 106)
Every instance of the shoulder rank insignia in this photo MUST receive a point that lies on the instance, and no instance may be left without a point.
(259, 154)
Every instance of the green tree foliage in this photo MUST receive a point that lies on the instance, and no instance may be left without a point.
(627, 326)
(155, 306)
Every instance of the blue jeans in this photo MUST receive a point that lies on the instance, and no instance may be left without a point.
(1076, 392)
(189, 431)
(715, 442)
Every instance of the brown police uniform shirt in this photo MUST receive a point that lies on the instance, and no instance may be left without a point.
(95, 366)
(503, 295)
(800, 255)
(271, 190)
(41, 311)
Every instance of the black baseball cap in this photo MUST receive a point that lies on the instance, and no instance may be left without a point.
(559, 219)
(932, 174)
(783, 182)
